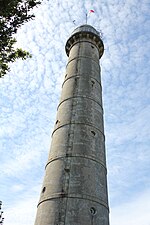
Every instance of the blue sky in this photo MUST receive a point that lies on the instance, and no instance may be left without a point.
(30, 95)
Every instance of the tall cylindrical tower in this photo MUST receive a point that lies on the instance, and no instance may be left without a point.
(74, 190)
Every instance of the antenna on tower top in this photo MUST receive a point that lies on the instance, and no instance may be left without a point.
(86, 18)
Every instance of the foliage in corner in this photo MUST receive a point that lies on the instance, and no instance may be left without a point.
(13, 14)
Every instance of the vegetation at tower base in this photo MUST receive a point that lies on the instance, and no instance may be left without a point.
(13, 14)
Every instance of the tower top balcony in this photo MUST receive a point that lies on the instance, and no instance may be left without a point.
(82, 33)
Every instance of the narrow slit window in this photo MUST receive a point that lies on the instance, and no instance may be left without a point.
(76, 80)
(57, 121)
(43, 190)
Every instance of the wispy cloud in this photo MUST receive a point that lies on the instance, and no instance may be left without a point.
(30, 95)
(136, 211)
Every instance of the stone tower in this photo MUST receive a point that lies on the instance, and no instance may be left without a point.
(74, 190)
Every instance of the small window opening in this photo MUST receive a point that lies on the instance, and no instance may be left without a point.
(65, 75)
(67, 170)
(93, 132)
(43, 190)
(92, 46)
(93, 211)
(92, 81)
(76, 79)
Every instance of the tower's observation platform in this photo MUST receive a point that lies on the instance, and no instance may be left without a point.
(74, 190)
(84, 33)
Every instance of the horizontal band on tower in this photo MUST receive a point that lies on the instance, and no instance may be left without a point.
(71, 123)
(80, 156)
(78, 196)
(80, 96)
(81, 57)
(78, 75)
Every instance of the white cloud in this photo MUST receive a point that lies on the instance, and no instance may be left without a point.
(30, 94)
(136, 211)
(22, 212)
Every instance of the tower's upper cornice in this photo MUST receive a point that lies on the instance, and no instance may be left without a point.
(85, 32)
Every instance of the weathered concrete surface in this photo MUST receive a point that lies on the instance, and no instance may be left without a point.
(74, 190)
